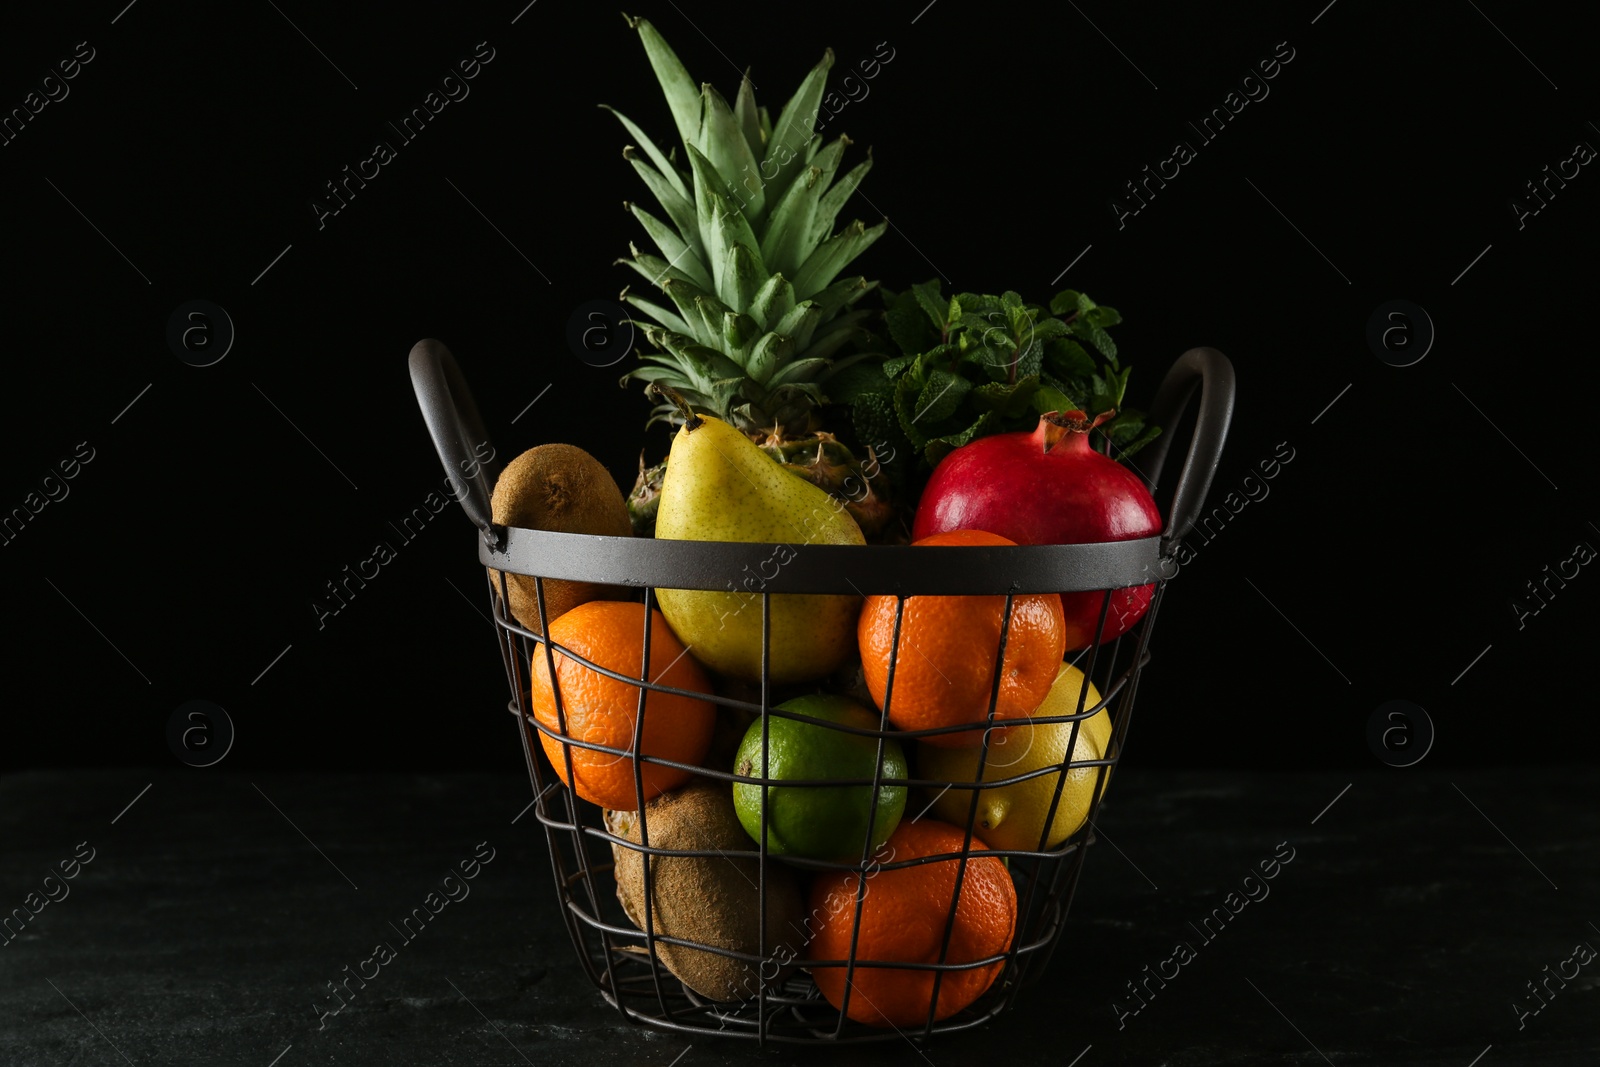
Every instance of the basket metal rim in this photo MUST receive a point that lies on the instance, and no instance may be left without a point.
(777, 567)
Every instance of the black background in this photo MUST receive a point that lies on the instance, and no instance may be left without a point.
(186, 558)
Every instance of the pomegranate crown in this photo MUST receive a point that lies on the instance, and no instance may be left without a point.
(1055, 425)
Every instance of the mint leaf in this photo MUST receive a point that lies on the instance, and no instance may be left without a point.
(1117, 385)
(932, 303)
(1131, 448)
(1065, 302)
(1096, 336)
(1103, 316)
(908, 326)
(893, 367)
(1125, 427)
(1052, 381)
(906, 393)
(1067, 360)
(940, 397)
(994, 365)
(1030, 360)
(941, 447)
(995, 361)
(1048, 398)
(982, 323)
(1009, 401)
(1019, 317)
(1103, 396)
(875, 421)
(1044, 330)
(935, 357)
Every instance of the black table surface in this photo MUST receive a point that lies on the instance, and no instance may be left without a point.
(1418, 907)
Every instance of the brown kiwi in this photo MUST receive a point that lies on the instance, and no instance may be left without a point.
(709, 899)
(561, 488)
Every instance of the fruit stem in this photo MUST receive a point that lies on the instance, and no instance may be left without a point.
(691, 421)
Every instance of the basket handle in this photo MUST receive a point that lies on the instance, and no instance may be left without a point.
(1213, 373)
(464, 448)
(457, 430)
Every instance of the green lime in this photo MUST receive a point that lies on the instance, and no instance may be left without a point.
(825, 822)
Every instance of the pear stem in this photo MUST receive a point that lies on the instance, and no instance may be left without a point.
(691, 421)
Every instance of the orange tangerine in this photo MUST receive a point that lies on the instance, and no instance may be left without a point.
(944, 666)
(604, 711)
(903, 919)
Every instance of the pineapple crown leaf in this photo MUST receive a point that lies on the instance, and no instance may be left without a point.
(828, 339)
(847, 362)
(773, 300)
(660, 315)
(739, 335)
(723, 227)
(661, 413)
(678, 205)
(707, 198)
(693, 304)
(679, 253)
(756, 317)
(833, 201)
(655, 269)
(742, 276)
(771, 352)
(722, 142)
(808, 206)
(682, 96)
(801, 370)
(800, 321)
(749, 116)
(663, 164)
(796, 125)
(831, 256)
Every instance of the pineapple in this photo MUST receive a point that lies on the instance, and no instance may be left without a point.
(758, 319)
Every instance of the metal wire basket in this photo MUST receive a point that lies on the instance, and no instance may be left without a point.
(623, 962)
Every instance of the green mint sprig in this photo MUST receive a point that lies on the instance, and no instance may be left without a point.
(972, 365)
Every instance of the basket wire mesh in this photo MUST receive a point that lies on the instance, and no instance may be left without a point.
(638, 984)
(622, 961)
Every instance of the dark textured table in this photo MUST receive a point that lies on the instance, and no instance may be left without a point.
(1416, 910)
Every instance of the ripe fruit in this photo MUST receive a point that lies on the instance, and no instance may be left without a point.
(903, 917)
(714, 900)
(819, 822)
(561, 488)
(1013, 816)
(944, 668)
(603, 711)
(720, 487)
(1047, 487)
(754, 315)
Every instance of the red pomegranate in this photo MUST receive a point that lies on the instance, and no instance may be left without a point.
(1048, 487)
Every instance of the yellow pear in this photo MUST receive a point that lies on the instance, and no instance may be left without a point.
(720, 487)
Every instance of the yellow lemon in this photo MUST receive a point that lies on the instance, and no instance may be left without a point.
(1013, 816)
